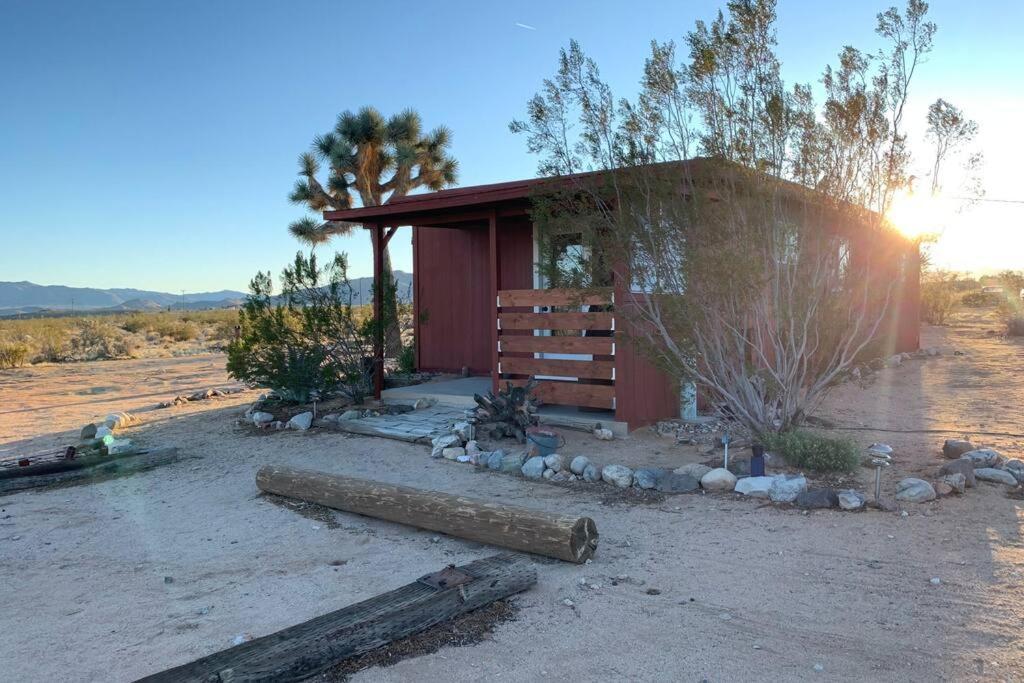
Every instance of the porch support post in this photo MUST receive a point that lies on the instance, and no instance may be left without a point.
(495, 276)
(378, 307)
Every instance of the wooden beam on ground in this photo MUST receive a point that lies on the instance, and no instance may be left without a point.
(301, 651)
(112, 466)
(573, 539)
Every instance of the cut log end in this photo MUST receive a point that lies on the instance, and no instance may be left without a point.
(583, 539)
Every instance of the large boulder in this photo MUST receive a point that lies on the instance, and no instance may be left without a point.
(718, 479)
(913, 490)
(850, 499)
(618, 475)
(694, 469)
(995, 476)
(755, 487)
(817, 499)
(301, 422)
(554, 462)
(258, 418)
(959, 466)
(1016, 468)
(494, 459)
(670, 482)
(533, 468)
(954, 448)
(785, 489)
(984, 457)
(592, 473)
(579, 464)
(512, 462)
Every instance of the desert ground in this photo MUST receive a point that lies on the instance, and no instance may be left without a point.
(119, 579)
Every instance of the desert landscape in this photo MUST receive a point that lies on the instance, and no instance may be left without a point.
(165, 566)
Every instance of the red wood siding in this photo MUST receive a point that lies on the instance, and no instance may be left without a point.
(452, 300)
(644, 393)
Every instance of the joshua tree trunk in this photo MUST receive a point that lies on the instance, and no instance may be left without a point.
(389, 311)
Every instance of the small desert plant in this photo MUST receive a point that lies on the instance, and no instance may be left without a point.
(178, 330)
(135, 323)
(308, 341)
(98, 340)
(938, 296)
(12, 355)
(981, 299)
(407, 359)
(813, 452)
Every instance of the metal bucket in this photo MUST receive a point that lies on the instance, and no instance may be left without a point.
(546, 441)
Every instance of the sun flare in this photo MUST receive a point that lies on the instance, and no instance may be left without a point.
(917, 215)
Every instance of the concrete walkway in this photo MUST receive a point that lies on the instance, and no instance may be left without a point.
(418, 426)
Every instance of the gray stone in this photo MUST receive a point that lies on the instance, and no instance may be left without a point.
(592, 473)
(718, 479)
(959, 466)
(647, 478)
(464, 430)
(422, 403)
(785, 489)
(494, 459)
(88, 432)
(301, 422)
(913, 490)
(894, 361)
(954, 448)
(604, 434)
(670, 482)
(693, 469)
(554, 462)
(512, 462)
(755, 487)
(1016, 468)
(817, 499)
(258, 417)
(351, 415)
(562, 476)
(995, 476)
(579, 464)
(443, 442)
(619, 475)
(533, 468)
(472, 447)
(984, 457)
(956, 481)
(549, 473)
(453, 452)
(850, 499)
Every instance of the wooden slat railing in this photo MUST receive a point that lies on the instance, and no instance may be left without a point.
(580, 382)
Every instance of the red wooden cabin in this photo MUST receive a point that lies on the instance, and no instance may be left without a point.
(479, 304)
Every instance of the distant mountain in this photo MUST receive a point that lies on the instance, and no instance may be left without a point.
(27, 298)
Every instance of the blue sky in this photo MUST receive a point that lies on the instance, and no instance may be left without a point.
(153, 144)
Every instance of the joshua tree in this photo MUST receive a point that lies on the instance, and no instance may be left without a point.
(373, 160)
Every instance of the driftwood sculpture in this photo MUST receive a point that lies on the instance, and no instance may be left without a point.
(511, 412)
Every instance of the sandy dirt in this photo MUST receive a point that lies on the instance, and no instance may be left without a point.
(745, 591)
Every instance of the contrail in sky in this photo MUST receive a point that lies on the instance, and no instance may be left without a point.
(526, 26)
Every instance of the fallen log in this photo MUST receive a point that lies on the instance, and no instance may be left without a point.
(112, 466)
(301, 651)
(573, 539)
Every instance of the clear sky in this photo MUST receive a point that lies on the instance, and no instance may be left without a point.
(153, 144)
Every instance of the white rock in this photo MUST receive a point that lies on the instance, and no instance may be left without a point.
(618, 475)
(422, 403)
(443, 442)
(554, 462)
(102, 431)
(260, 417)
(718, 479)
(465, 458)
(119, 446)
(533, 468)
(351, 415)
(913, 490)
(548, 473)
(935, 581)
(453, 452)
(592, 473)
(579, 464)
(995, 476)
(850, 499)
(301, 422)
(755, 487)
(604, 434)
(472, 447)
(785, 489)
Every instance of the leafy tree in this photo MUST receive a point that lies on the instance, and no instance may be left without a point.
(948, 130)
(306, 340)
(373, 160)
(742, 261)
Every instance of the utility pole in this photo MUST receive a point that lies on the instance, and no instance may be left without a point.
(183, 301)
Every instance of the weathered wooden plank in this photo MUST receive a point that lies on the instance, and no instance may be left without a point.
(572, 539)
(111, 467)
(573, 393)
(598, 346)
(556, 321)
(588, 369)
(554, 297)
(301, 651)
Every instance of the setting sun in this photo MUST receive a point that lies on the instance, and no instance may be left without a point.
(919, 215)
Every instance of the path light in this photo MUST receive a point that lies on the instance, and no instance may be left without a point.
(725, 445)
(881, 457)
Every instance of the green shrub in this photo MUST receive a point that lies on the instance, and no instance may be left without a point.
(407, 359)
(12, 355)
(309, 340)
(814, 452)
